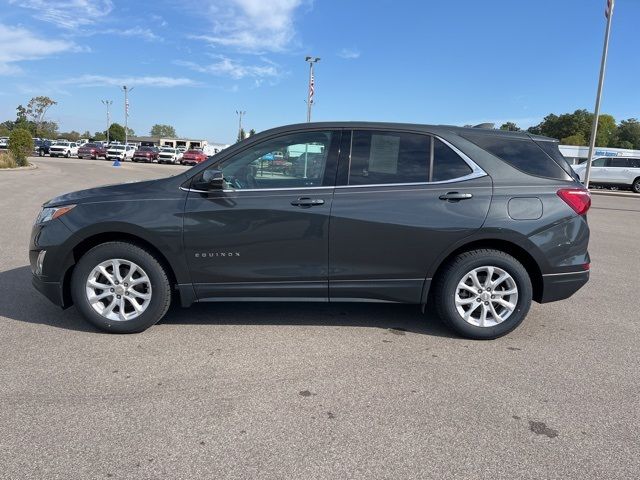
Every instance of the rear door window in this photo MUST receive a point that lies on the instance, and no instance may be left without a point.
(379, 157)
(619, 162)
(599, 162)
(521, 153)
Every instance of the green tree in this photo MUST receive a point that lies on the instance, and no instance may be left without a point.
(72, 136)
(241, 135)
(20, 145)
(116, 132)
(130, 132)
(252, 132)
(4, 130)
(159, 130)
(510, 126)
(576, 139)
(48, 129)
(99, 136)
(628, 133)
(607, 131)
(36, 110)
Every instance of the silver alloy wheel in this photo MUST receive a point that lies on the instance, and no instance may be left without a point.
(486, 296)
(118, 290)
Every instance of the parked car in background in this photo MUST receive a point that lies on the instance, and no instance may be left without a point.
(478, 222)
(145, 154)
(120, 152)
(41, 147)
(63, 149)
(92, 150)
(169, 155)
(622, 172)
(193, 157)
(4, 143)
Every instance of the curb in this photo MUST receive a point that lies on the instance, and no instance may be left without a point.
(19, 169)
(612, 193)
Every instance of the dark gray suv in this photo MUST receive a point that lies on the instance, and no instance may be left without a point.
(479, 222)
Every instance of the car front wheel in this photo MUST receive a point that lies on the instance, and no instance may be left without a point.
(636, 185)
(483, 294)
(120, 288)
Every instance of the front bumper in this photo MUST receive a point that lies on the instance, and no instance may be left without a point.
(52, 290)
(558, 286)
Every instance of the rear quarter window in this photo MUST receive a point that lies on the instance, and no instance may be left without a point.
(523, 154)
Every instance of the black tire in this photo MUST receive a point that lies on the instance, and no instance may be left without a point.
(453, 272)
(68, 154)
(160, 286)
(636, 185)
(41, 153)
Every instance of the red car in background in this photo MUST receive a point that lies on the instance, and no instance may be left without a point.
(92, 150)
(193, 157)
(146, 154)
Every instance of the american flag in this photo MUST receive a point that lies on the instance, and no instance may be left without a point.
(609, 8)
(311, 88)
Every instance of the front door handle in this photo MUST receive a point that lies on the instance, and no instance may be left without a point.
(305, 202)
(455, 196)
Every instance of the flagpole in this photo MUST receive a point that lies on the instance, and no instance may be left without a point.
(311, 61)
(603, 66)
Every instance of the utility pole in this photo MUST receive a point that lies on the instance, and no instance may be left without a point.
(312, 61)
(596, 114)
(108, 104)
(240, 114)
(126, 116)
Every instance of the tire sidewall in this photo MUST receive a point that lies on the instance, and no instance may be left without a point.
(160, 288)
(505, 262)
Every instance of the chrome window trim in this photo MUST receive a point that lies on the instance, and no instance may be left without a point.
(233, 190)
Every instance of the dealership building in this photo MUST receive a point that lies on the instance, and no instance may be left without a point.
(210, 148)
(575, 154)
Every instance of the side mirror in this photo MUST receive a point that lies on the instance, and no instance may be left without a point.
(213, 179)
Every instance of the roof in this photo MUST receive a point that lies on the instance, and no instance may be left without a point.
(410, 126)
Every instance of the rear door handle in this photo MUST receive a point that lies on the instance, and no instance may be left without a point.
(455, 196)
(305, 202)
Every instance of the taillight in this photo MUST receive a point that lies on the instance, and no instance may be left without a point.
(577, 198)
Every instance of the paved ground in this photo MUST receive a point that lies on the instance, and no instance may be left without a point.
(316, 391)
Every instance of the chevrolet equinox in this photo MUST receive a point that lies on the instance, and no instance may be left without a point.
(478, 222)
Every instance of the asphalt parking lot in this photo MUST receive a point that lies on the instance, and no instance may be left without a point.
(312, 391)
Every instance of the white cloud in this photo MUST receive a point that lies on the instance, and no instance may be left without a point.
(107, 81)
(69, 14)
(19, 44)
(138, 32)
(227, 67)
(252, 25)
(349, 53)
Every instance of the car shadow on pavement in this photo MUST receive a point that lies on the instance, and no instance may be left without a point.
(21, 302)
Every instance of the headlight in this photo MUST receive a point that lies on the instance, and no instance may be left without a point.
(51, 213)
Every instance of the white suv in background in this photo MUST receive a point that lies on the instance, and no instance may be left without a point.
(63, 149)
(121, 152)
(169, 155)
(612, 172)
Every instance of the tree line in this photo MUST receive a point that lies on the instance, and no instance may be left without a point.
(575, 129)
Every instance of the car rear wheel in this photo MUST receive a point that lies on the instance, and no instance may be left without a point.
(483, 294)
(636, 185)
(68, 154)
(120, 288)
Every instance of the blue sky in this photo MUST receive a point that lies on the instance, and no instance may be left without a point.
(193, 63)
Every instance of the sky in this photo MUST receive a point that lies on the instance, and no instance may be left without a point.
(193, 63)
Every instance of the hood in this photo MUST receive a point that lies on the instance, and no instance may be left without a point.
(115, 192)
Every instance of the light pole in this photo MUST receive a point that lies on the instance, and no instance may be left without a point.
(312, 61)
(126, 116)
(108, 104)
(240, 114)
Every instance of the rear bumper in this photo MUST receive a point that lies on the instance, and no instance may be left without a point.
(558, 286)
